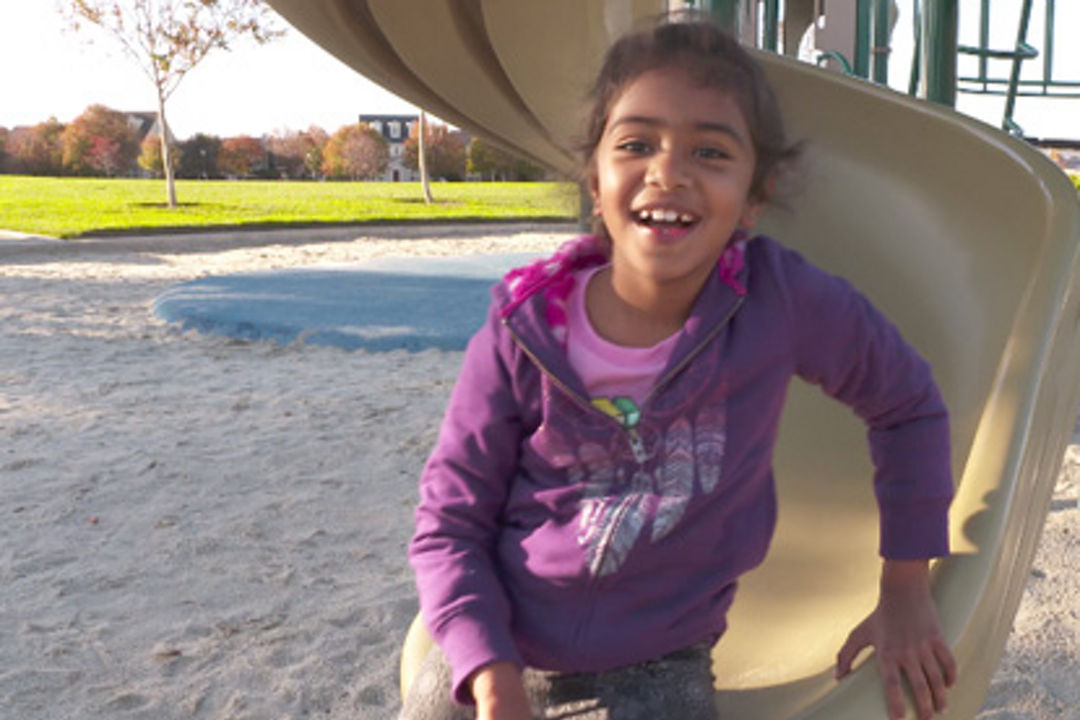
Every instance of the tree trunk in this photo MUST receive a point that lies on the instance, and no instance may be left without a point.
(422, 159)
(166, 159)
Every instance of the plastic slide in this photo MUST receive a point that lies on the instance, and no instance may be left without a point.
(966, 238)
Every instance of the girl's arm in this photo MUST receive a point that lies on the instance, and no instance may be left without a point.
(857, 356)
(500, 693)
(463, 490)
(905, 631)
(846, 346)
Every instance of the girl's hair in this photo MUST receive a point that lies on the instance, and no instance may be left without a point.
(713, 59)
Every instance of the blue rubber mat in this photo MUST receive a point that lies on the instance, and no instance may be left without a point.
(383, 304)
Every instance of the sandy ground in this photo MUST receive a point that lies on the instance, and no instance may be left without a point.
(194, 527)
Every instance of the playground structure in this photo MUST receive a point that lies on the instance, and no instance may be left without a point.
(858, 39)
(967, 238)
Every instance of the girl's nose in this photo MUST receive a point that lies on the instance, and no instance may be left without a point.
(666, 171)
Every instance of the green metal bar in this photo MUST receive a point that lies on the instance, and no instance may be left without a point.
(881, 42)
(772, 23)
(726, 12)
(1048, 43)
(1014, 77)
(838, 57)
(916, 57)
(863, 17)
(1024, 83)
(1040, 93)
(984, 38)
(1023, 52)
(939, 48)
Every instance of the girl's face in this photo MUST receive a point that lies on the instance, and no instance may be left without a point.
(672, 178)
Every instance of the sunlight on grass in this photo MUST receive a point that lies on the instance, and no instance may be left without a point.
(70, 207)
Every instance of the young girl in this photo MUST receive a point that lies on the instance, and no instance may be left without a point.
(603, 474)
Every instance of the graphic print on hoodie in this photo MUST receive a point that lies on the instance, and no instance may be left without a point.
(625, 501)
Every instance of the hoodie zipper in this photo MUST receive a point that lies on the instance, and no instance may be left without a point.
(668, 376)
(637, 445)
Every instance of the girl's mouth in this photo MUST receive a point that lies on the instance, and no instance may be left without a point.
(666, 222)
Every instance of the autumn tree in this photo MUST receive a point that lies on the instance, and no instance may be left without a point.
(298, 154)
(199, 157)
(150, 158)
(101, 141)
(493, 163)
(3, 149)
(444, 149)
(241, 156)
(356, 152)
(313, 161)
(36, 150)
(169, 38)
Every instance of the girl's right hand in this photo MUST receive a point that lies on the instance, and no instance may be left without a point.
(500, 693)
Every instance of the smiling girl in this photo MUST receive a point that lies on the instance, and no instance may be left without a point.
(603, 475)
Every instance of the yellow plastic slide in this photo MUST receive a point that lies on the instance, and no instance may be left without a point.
(966, 238)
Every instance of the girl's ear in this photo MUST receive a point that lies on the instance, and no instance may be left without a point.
(757, 202)
(593, 185)
(750, 214)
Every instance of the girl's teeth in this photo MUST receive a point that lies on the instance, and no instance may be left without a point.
(665, 216)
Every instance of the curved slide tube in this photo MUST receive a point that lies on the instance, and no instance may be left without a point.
(966, 238)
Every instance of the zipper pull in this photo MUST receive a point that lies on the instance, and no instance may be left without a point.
(637, 446)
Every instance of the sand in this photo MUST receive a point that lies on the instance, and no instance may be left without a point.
(197, 527)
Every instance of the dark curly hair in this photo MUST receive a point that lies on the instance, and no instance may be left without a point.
(711, 58)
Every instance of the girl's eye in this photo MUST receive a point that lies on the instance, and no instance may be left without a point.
(713, 153)
(633, 146)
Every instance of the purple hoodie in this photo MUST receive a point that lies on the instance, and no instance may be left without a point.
(555, 536)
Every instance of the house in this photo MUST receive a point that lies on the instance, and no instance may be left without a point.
(395, 129)
(145, 123)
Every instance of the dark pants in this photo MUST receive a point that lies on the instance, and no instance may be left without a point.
(677, 686)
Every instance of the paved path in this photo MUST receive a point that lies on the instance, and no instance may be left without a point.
(14, 243)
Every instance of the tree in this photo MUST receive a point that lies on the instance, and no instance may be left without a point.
(313, 161)
(356, 152)
(169, 38)
(100, 141)
(37, 150)
(298, 154)
(421, 159)
(3, 149)
(494, 163)
(150, 156)
(199, 157)
(444, 150)
(241, 156)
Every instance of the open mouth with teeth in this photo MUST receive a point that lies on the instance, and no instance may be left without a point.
(664, 219)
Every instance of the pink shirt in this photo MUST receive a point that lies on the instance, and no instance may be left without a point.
(609, 370)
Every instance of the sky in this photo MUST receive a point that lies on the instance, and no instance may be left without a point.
(291, 83)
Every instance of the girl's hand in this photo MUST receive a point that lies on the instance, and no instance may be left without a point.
(500, 693)
(905, 631)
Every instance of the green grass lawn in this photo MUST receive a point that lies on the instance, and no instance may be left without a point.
(72, 207)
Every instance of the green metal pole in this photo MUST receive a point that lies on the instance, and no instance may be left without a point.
(881, 42)
(1048, 47)
(939, 42)
(772, 23)
(863, 16)
(916, 60)
(726, 13)
(1014, 76)
(984, 42)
